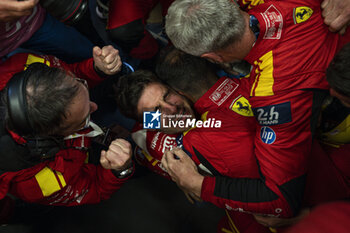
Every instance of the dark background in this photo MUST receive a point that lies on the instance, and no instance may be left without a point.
(146, 203)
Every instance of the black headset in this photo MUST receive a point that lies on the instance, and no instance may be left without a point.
(17, 104)
(44, 147)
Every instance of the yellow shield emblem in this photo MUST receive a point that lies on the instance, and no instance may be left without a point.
(242, 106)
(302, 13)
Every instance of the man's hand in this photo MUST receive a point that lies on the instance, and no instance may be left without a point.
(107, 59)
(118, 155)
(11, 10)
(183, 171)
(192, 198)
(275, 222)
(336, 14)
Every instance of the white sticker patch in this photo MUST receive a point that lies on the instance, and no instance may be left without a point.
(274, 23)
(223, 91)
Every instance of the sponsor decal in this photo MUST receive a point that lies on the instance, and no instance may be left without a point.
(273, 114)
(274, 23)
(242, 106)
(224, 91)
(267, 135)
(169, 143)
(154, 140)
(162, 142)
(301, 14)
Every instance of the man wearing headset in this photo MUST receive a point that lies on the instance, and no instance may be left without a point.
(46, 133)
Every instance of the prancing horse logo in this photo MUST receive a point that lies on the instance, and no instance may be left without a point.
(241, 106)
(302, 13)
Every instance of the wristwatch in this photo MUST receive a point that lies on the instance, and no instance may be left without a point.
(124, 173)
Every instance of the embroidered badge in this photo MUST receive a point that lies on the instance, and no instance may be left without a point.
(301, 14)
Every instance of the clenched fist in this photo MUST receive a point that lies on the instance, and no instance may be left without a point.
(118, 156)
(336, 14)
(107, 59)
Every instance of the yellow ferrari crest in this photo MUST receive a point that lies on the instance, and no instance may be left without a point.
(242, 106)
(302, 13)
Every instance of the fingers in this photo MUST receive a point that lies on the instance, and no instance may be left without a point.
(164, 160)
(339, 24)
(189, 198)
(118, 156)
(20, 6)
(183, 171)
(109, 54)
(176, 154)
(324, 4)
(123, 142)
(263, 220)
(179, 153)
(195, 197)
(175, 158)
(11, 10)
(107, 50)
(329, 14)
(168, 159)
(96, 51)
(343, 30)
(26, 5)
(119, 145)
(104, 161)
(336, 14)
(107, 59)
(112, 61)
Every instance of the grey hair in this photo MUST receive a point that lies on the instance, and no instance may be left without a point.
(201, 26)
(50, 91)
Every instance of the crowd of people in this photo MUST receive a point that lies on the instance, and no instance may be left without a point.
(245, 106)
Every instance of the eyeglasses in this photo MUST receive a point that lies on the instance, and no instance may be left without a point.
(87, 120)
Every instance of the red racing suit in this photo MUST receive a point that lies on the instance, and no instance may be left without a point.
(227, 152)
(68, 179)
(288, 59)
(124, 12)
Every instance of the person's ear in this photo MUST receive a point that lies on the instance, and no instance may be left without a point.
(213, 57)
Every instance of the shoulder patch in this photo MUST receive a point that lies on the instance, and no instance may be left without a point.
(273, 114)
(274, 23)
(224, 91)
(301, 14)
(242, 106)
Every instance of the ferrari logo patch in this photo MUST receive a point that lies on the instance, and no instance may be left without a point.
(242, 106)
(302, 13)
